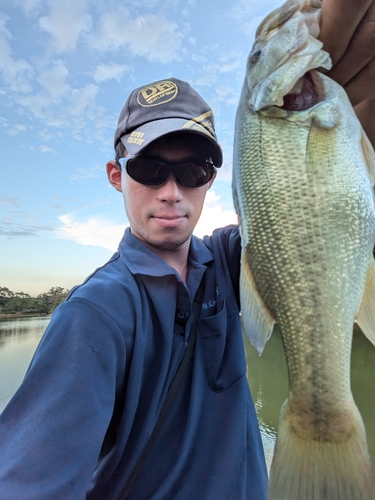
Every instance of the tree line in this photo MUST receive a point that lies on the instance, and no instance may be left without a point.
(23, 303)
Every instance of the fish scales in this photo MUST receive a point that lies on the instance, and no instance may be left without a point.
(289, 227)
(303, 190)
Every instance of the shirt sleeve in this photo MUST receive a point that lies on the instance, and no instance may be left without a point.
(225, 243)
(52, 430)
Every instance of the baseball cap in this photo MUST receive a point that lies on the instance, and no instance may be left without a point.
(161, 108)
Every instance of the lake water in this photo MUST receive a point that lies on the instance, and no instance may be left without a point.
(268, 379)
(19, 338)
(267, 374)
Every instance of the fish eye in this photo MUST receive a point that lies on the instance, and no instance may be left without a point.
(254, 56)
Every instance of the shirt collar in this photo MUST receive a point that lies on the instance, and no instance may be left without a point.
(142, 260)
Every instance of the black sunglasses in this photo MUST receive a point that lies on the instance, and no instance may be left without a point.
(151, 171)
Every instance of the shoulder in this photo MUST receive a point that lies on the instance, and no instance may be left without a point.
(106, 282)
(225, 246)
(224, 240)
(109, 296)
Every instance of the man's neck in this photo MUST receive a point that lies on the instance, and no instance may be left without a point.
(176, 257)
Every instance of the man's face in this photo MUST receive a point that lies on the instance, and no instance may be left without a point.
(164, 216)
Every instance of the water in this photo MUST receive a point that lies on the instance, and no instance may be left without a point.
(268, 379)
(19, 338)
(267, 374)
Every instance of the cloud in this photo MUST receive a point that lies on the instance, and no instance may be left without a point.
(96, 231)
(15, 233)
(225, 173)
(13, 230)
(248, 14)
(71, 110)
(87, 173)
(46, 149)
(226, 71)
(54, 80)
(101, 232)
(16, 129)
(28, 6)
(81, 99)
(7, 200)
(149, 36)
(14, 72)
(42, 107)
(110, 71)
(47, 96)
(45, 135)
(226, 93)
(213, 215)
(66, 22)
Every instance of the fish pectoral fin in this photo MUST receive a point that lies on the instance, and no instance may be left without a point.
(257, 319)
(366, 316)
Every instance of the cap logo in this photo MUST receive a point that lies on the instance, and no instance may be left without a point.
(136, 138)
(158, 93)
(202, 121)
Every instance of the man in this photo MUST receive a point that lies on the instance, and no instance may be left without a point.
(77, 426)
(79, 423)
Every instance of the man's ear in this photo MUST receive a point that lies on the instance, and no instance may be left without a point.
(114, 175)
(212, 180)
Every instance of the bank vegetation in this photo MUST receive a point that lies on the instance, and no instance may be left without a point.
(21, 303)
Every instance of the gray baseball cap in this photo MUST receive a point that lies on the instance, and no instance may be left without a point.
(162, 108)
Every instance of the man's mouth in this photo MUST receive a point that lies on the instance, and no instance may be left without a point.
(168, 220)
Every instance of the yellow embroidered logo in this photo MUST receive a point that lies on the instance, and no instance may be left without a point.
(136, 138)
(202, 121)
(156, 94)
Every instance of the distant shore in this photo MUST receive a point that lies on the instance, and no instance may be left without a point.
(21, 315)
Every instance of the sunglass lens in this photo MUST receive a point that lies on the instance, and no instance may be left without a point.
(152, 171)
(195, 174)
(147, 170)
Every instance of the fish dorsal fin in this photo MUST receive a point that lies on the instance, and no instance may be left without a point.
(368, 153)
(366, 315)
(257, 320)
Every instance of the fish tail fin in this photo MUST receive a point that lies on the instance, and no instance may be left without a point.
(308, 469)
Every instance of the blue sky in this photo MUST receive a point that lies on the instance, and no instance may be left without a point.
(66, 69)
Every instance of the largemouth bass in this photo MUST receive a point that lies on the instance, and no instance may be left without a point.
(303, 181)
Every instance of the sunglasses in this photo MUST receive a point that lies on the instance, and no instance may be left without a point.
(152, 172)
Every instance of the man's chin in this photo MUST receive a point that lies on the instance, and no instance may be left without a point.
(169, 243)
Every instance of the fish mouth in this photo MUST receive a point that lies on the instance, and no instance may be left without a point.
(303, 95)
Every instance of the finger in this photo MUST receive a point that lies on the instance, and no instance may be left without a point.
(360, 51)
(338, 23)
(362, 86)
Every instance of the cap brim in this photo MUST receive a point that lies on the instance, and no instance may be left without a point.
(141, 137)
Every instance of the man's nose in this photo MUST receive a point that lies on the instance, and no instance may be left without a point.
(170, 190)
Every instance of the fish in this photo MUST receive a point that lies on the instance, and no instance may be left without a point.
(303, 190)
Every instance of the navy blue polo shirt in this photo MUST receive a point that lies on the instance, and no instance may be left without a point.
(97, 382)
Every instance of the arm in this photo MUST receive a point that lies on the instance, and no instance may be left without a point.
(52, 431)
(348, 34)
(226, 242)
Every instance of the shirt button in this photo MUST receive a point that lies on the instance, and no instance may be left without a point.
(180, 315)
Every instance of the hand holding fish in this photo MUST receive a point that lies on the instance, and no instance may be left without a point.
(347, 32)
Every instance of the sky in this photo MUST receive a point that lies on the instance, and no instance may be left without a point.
(66, 69)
